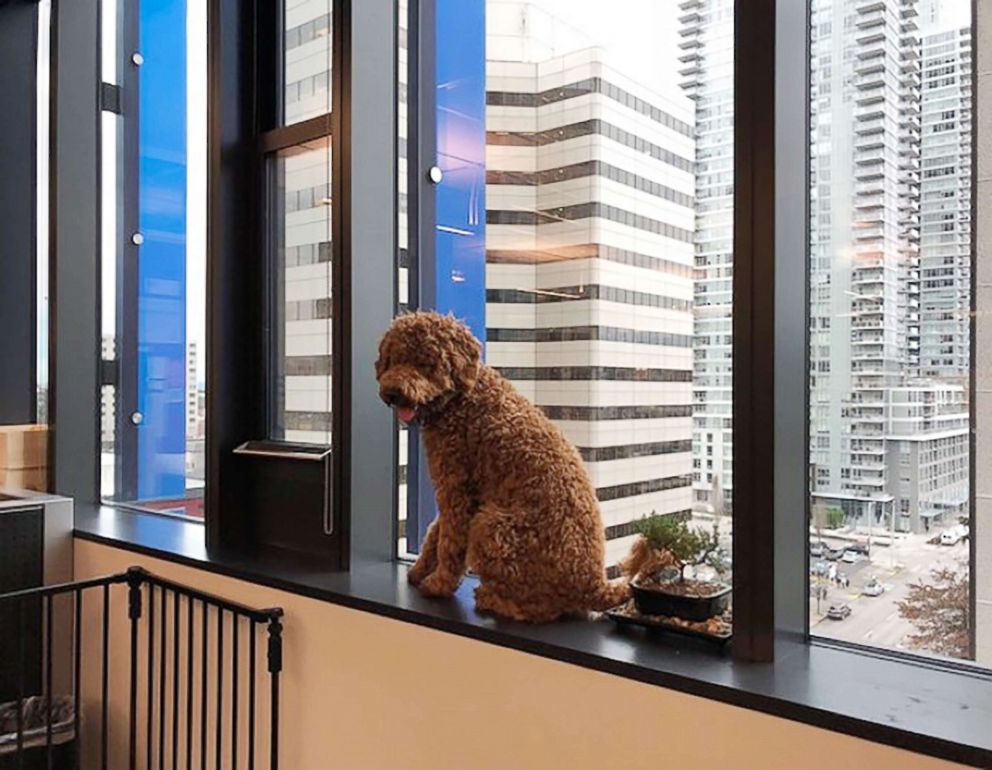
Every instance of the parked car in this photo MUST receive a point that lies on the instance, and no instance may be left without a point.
(838, 611)
(849, 556)
(816, 549)
(833, 554)
(861, 548)
(953, 536)
(873, 588)
(819, 568)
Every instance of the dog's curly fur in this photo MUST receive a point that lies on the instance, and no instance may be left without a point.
(516, 505)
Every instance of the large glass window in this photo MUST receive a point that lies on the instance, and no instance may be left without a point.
(890, 376)
(301, 346)
(153, 236)
(584, 231)
(300, 234)
(306, 91)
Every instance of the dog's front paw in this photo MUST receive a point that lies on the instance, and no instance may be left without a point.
(438, 586)
(416, 574)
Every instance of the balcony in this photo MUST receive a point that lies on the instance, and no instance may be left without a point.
(867, 127)
(871, 96)
(869, 202)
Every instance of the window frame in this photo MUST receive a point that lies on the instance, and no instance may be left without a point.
(246, 60)
(753, 342)
(379, 585)
(770, 541)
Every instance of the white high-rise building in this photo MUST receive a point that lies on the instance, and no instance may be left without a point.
(707, 31)
(864, 192)
(945, 205)
(302, 345)
(108, 400)
(589, 252)
(886, 445)
(194, 419)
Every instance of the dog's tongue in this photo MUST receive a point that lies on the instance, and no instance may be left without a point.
(406, 413)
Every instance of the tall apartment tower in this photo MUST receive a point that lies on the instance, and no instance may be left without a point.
(945, 205)
(864, 204)
(707, 32)
(888, 446)
(589, 275)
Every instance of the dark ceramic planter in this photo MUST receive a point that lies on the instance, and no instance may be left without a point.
(657, 601)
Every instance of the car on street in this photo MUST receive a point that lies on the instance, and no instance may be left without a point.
(861, 548)
(953, 536)
(873, 588)
(839, 611)
(833, 554)
(819, 568)
(849, 556)
(816, 549)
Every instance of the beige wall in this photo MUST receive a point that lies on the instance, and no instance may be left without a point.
(983, 339)
(364, 692)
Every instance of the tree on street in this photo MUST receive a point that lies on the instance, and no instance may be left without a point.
(940, 612)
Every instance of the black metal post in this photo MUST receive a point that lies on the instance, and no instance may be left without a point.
(151, 676)
(175, 681)
(189, 683)
(77, 674)
(234, 690)
(203, 687)
(134, 615)
(49, 694)
(162, 652)
(251, 698)
(20, 685)
(275, 667)
(220, 686)
(105, 684)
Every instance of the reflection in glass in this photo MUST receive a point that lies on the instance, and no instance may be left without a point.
(306, 59)
(301, 336)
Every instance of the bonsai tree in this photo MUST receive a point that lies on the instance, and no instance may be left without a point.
(667, 541)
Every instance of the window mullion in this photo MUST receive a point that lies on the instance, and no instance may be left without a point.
(754, 329)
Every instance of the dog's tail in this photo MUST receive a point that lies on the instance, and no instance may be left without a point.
(610, 594)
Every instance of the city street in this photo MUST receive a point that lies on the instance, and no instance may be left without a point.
(876, 620)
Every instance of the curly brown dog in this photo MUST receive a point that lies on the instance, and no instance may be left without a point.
(515, 502)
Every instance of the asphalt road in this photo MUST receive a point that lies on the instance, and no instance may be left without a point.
(875, 620)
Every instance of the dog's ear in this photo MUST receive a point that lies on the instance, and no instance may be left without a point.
(466, 361)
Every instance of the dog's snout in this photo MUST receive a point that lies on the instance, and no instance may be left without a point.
(390, 395)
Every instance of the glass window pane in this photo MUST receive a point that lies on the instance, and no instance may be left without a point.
(306, 59)
(597, 265)
(301, 342)
(403, 240)
(890, 317)
(154, 261)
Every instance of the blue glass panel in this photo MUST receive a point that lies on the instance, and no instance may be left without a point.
(162, 266)
(460, 242)
(459, 284)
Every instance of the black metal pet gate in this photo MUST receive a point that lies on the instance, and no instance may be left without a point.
(191, 692)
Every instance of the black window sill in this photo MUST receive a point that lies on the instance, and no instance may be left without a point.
(901, 703)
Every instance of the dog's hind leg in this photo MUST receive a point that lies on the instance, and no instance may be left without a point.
(489, 599)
